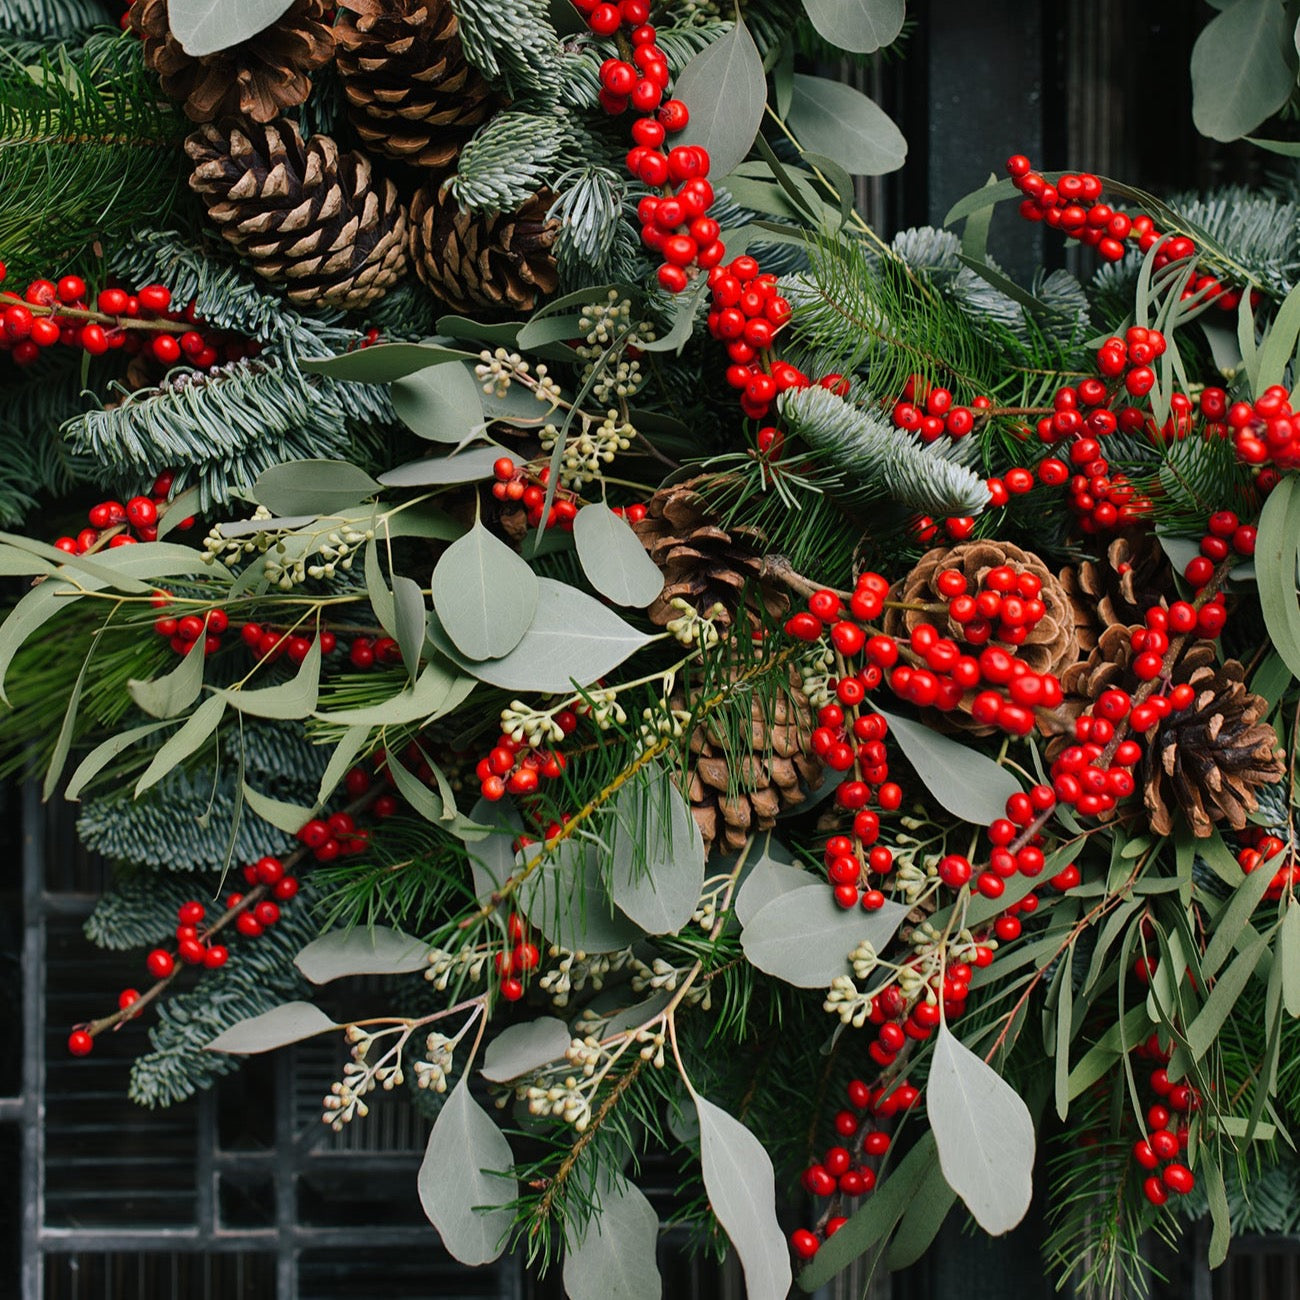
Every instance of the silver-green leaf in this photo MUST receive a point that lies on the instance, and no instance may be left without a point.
(206, 26)
(364, 950)
(984, 1133)
(485, 595)
(460, 1181)
(443, 471)
(768, 880)
(183, 742)
(441, 403)
(613, 559)
(861, 26)
(614, 1258)
(566, 899)
(725, 88)
(288, 1023)
(831, 118)
(288, 817)
(1243, 68)
(171, 694)
(521, 1049)
(301, 487)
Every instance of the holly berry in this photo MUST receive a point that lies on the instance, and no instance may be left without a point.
(80, 1043)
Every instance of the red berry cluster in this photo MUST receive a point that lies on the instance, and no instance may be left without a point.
(1261, 848)
(930, 413)
(1266, 432)
(50, 313)
(519, 483)
(519, 959)
(114, 524)
(1167, 1122)
(183, 630)
(512, 767)
(842, 1173)
(267, 644)
(1225, 535)
(332, 837)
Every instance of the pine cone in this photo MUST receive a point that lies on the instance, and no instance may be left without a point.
(1209, 759)
(733, 795)
(307, 216)
(259, 78)
(411, 92)
(1050, 646)
(1119, 588)
(703, 563)
(498, 261)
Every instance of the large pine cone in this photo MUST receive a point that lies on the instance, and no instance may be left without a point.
(1119, 587)
(1050, 646)
(260, 78)
(412, 94)
(734, 795)
(1210, 759)
(307, 216)
(472, 261)
(703, 563)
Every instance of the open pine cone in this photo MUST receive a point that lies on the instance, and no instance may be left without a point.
(734, 795)
(472, 261)
(1210, 759)
(703, 563)
(411, 92)
(307, 216)
(1119, 587)
(259, 78)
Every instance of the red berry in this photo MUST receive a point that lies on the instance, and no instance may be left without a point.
(80, 1043)
(159, 963)
(215, 956)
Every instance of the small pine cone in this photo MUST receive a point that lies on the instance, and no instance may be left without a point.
(1210, 759)
(307, 216)
(735, 794)
(472, 261)
(411, 93)
(703, 563)
(1133, 576)
(259, 78)
(1050, 646)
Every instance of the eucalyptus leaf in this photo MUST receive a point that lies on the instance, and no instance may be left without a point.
(831, 118)
(768, 880)
(174, 692)
(436, 691)
(804, 938)
(103, 754)
(287, 817)
(288, 1023)
(364, 950)
(485, 595)
(521, 1049)
(409, 617)
(984, 1133)
(460, 1182)
(860, 26)
(965, 782)
(572, 639)
(468, 466)
(384, 363)
(1243, 68)
(300, 487)
(614, 1257)
(295, 698)
(415, 792)
(1288, 953)
(566, 899)
(205, 26)
(613, 559)
(1276, 549)
(441, 403)
(492, 859)
(685, 307)
(725, 89)
(741, 1188)
(183, 742)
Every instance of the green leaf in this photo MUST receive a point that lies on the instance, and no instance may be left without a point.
(206, 26)
(385, 363)
(725, 88)
(1278, 345)
(1288, 953)
(1277, 548)
(312, 487)
(183, 742)
(378, 591)
(288, 1023)
(572, 639)
(741, 1187)
(295, 698)
(1204, 1029)
(460, 1183)
(1243, 68)
(492, 859)
(565, 898)
(614, 1257)
(445, 471)
(63, 744)
(685, 306)
(922, 1220)
(861, 26)
(288, 817)
(986, 196)
(170, 695)
(613, 559)
(1216, 1195)
(415, 792)
(768, 880)
(365, 950)
(522, 1049)
(485, 595)
(341, 760)
(804, 938)
(441, 403)
(965, 782)
(103, 754)
(435, 692)
(984, 1133)
(409, 616)
(1100, 1058)
(1063, 1027)
(550, 329)
(831, 118)
(657, 868)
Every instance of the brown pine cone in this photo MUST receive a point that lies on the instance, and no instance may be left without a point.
(735, 795)
(307, 216)
(1209, 759)
(1119, 587)
(703, 563)
(259, 78)
(1050, 646)
(501, 262)
(412, 95)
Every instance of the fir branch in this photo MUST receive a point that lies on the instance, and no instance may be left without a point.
(50, 20)
(510, 158)
(512, 43)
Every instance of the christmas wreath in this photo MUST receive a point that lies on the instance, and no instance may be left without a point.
(809, 702)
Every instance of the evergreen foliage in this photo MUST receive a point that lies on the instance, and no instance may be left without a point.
(138, 909)
(513, 43)
(50, 20)
(513, 155)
